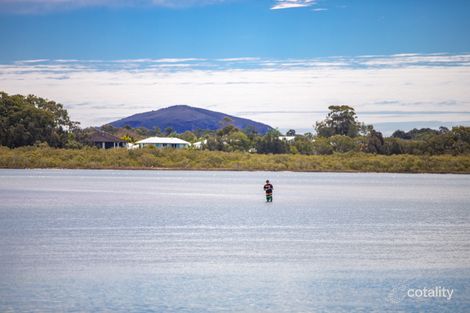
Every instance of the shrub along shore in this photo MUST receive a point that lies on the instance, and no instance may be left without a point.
(92, 158)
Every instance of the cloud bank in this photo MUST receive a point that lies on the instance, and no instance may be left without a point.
(389, 91)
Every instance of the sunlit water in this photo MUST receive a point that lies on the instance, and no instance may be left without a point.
(176, 241)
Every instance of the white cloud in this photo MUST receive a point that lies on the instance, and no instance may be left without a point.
(238, 59)
(166, 60)
(289, 4)
(34, 61)
(282, 93)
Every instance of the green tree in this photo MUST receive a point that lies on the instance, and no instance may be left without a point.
(157, 132)
(393, 146)
(227, 130)
(290, 132)
(375, 141)
(251, 132)
(270, 143)
(168, 131)
(304, 145)
(188, 136)
(238, 141)
(214, 143)
(401, 134)
(322, 145)
(226, 121)
(343, 144)
(341, 120)
(28, 120)
(309, 136)
(108, 128)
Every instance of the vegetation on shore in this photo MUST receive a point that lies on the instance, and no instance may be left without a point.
(38, 133)
(151, 158)
(30, 120)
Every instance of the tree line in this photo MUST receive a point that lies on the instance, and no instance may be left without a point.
(31, 120)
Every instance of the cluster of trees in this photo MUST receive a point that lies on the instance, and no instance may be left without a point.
(340, 132)
(430, 141)
(32, 120)
(130, 134)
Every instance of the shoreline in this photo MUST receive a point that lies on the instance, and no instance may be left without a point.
(167, 169)
(203, 160)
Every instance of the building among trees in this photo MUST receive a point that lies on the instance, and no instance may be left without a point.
(104, 140)
(163, 142)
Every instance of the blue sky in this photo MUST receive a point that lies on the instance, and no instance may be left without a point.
(235, 28)
(400, 62)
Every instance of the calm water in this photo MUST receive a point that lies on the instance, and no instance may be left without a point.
(161, 241)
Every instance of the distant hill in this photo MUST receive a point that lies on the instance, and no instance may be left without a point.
(183, 117)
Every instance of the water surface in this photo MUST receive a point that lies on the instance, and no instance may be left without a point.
(176, 241)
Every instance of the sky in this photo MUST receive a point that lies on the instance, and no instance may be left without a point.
(400, 64)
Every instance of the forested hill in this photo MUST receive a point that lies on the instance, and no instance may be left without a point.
(181, 118)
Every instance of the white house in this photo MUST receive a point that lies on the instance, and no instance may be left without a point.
(131, 146)
(287, 138)
(199, 144)
(163, 142)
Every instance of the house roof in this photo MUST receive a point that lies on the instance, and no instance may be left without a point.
(200, 143)
(100, 136)
(167, 140)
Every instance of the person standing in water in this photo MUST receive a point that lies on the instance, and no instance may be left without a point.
(268, 188)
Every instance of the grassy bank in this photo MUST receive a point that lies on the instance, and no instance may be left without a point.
(90, 158)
